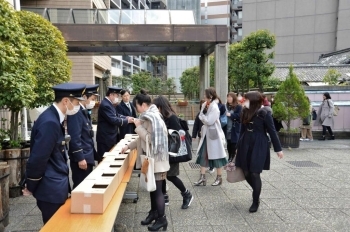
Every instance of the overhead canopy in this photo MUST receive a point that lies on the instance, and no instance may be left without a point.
(134, 32)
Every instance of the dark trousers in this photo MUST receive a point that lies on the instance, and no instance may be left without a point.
(47, 209)
(325, 128)
(231, 149)
(78, 174)
(101, 149)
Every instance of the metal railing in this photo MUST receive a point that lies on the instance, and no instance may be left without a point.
(114, 16)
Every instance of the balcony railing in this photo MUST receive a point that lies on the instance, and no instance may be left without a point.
(127, 58)
(234, 18)
(233, 30)
(114, 16)
(239, 21)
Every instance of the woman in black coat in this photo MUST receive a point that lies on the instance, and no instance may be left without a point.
(126, 108)
(253, 151)
(172, 122)
(233, 127)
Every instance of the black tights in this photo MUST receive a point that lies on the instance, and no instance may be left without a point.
(254, 181)
(176, 181)
(157, 199)
(231, 149)
(325, 128)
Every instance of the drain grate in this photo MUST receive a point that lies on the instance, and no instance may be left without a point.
(194, 165)
(304, 164)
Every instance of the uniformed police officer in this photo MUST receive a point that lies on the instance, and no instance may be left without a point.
(81, 146)
(108, 122)
(47, 170)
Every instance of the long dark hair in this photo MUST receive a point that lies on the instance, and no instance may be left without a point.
(234, 101)
(326, 94)
(141, 98)
(210, 93)
(164, 106)
(255, 100)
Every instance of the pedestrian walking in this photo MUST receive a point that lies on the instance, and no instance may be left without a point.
(151, 125)
(253, 151)
(325, 116)
(172, 122)
(211, 150)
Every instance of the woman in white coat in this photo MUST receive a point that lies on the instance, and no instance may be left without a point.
(211, 150)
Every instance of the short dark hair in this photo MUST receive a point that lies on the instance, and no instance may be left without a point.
(327, 95)
(59, 99)
(165, 108)
(141, 98)
(123, 91)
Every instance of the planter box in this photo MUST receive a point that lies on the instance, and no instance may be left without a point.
(182, 103)
(289, 139)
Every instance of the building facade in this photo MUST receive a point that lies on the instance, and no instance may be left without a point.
(86, 69)
(304, 29)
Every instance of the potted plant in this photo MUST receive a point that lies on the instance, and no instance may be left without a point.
(290, 103)
(182, 102)
(13, 158)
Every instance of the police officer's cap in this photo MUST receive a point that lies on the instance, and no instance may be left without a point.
(92, 89)
(113, 89)
(74, 90)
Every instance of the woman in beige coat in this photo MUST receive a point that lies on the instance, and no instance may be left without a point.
(211, 150)
(306, 126)
(151, 125)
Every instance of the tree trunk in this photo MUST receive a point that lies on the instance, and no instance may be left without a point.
(14, 126)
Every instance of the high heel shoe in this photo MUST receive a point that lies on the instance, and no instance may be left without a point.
(152, 215)
(218, 181)
(160, 223)
(201, 180)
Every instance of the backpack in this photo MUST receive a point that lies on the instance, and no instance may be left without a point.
(314, 114)
(223, 119)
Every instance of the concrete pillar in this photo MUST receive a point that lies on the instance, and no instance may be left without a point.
(204, 74)
(221, 70)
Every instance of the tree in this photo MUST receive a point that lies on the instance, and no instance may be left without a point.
(140, 81)
(273, 82)
(290, 101)
(155, 60)
(155, 86)
(212, 70)
(169, 87)
(122, 81)
(49, 50)
(249, 60)
(189, 81)
(17, 82)
(332, 77)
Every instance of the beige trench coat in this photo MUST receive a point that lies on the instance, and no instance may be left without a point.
(325, 115)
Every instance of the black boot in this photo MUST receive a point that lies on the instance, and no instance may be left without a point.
(322, 138)
(152, 215)
(160, 223)
(254, 206)
(331, 138)
(187, 199)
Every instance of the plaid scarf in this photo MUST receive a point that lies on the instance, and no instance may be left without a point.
(159, 136)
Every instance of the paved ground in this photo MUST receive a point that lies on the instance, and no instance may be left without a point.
(293, 198)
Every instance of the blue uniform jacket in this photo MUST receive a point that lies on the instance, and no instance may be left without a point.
(107, 123)
(126, 128)
(47, 170)
(81, 145)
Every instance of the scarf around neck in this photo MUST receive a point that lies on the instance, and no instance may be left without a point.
(159, 136)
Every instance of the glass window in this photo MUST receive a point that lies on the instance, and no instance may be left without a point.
(133, 17)
(240, 32)
(84, 16)
(113, 16)
(157, 17)
(182, 17)
(240, 14)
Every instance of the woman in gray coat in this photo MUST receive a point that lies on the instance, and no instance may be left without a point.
(325, 116)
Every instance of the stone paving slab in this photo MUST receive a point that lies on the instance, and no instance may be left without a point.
(292, 199)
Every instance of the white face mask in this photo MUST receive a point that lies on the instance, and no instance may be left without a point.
(74, 110)
(116, 100)
(90, 105)
(246, 104)
(239, 98)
